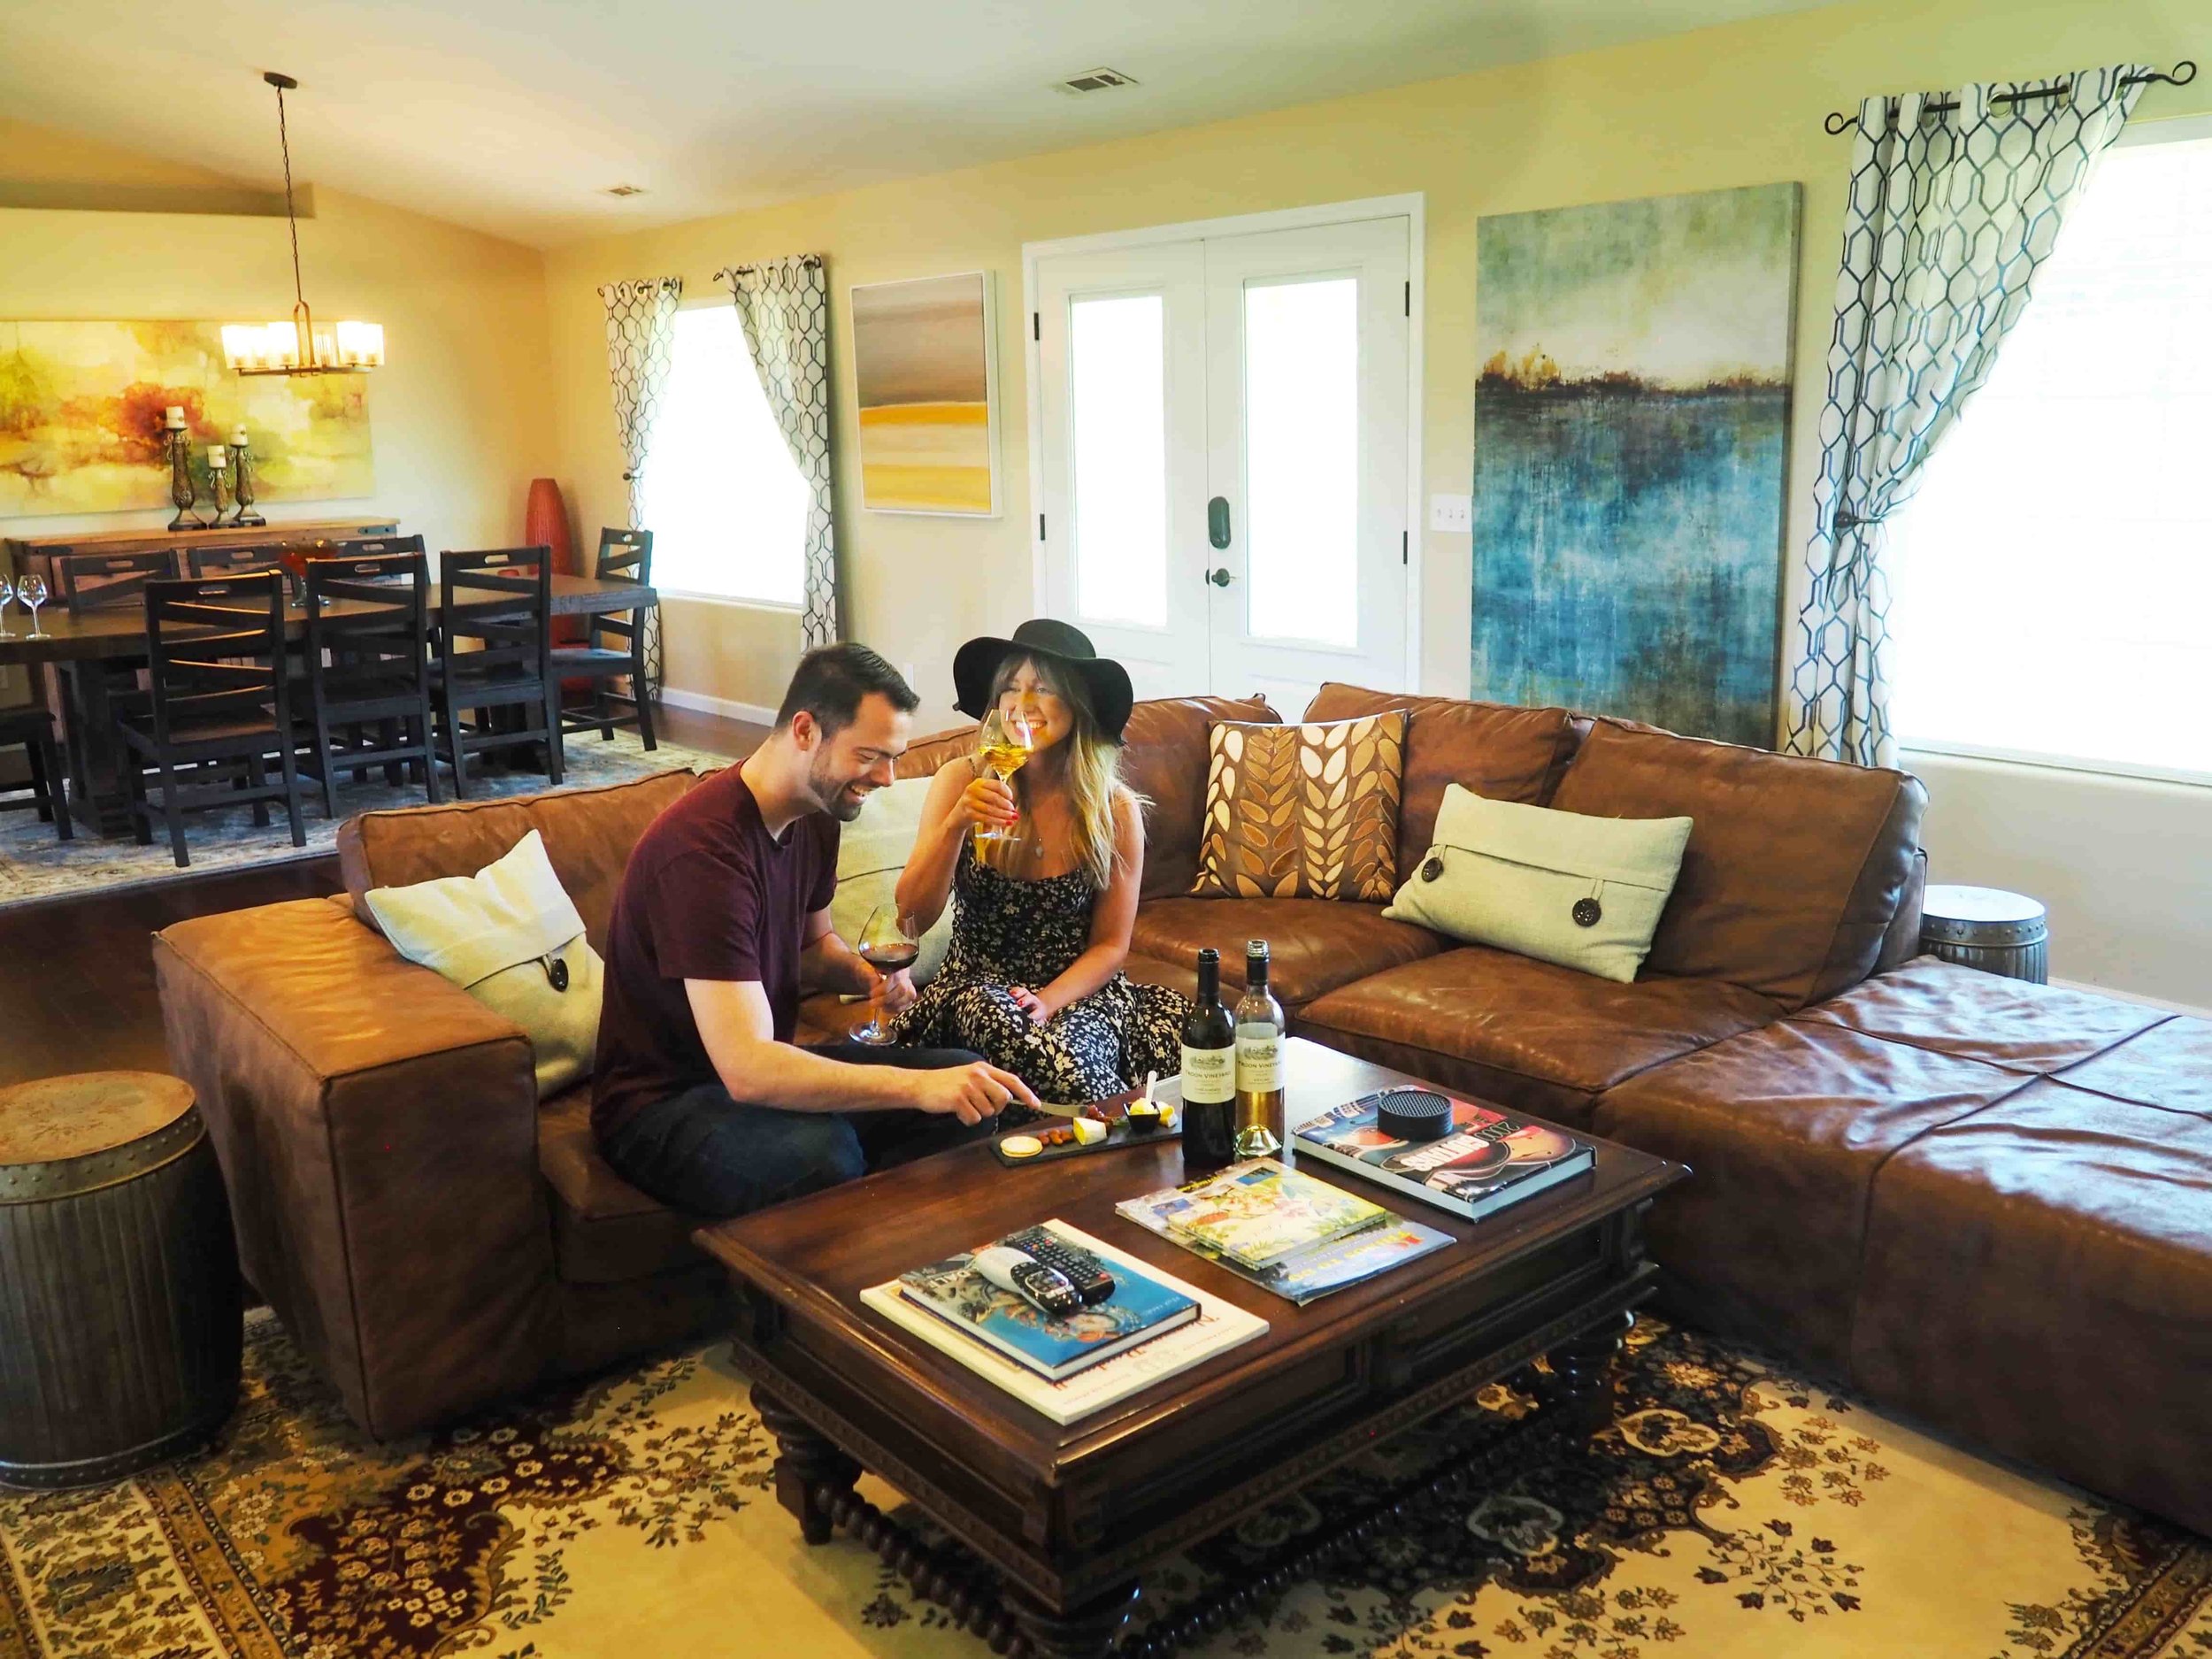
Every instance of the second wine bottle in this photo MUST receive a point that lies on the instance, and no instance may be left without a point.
(1260, 1126)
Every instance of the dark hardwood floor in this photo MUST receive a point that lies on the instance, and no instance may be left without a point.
(76, 976)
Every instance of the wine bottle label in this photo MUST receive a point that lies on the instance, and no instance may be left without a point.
(1259, 1060)
(1209, 1076)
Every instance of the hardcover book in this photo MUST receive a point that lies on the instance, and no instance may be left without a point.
(1219, 1326)
(1487, 1160)
(1315, 1271)
(1258, 1212)
(1139, 1308)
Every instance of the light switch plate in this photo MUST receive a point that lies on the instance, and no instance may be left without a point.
(1452, 514)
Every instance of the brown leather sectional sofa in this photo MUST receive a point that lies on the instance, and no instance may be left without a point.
(1985, 1203)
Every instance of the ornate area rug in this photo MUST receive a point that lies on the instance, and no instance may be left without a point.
(35, 866)
(1735, 1510)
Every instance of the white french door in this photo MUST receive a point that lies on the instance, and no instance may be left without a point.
(1221, 429)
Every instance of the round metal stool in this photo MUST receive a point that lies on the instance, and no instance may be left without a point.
(120, 1331)
(1989, 929)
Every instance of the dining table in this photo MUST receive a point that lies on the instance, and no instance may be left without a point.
(83, 648)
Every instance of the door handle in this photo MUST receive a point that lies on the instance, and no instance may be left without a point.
(1217, 522)
(1220, 578)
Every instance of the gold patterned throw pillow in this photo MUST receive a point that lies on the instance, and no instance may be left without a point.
(1302, 812)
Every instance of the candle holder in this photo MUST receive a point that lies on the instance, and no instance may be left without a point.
(180, 489)
(216, 473)
(241, 485)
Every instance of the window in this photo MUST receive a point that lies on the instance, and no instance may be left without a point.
(726, 503)
(2053, 578)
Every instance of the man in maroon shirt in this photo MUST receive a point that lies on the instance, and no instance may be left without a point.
(699, 1095)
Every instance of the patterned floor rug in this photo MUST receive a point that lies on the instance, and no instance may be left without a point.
(1734, 1509)
(35, 866)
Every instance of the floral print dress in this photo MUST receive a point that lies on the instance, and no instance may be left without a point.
(1008, 932)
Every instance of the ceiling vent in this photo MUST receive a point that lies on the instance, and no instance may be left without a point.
(624, 189)
(1095, 81)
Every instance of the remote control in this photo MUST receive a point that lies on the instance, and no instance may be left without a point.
(1043, 1287)
(1092, 1283)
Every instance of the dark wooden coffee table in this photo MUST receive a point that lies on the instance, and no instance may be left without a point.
(1070, 1518)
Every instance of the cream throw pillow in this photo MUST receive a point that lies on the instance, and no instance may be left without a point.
(510, 936)
(872, 851)
(1583, 892)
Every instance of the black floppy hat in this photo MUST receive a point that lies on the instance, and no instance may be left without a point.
(976, 662)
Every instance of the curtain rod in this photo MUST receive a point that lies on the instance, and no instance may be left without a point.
(810, 260)
(2182, 73)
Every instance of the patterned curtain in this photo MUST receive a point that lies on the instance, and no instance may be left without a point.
(784, 307)
(641, 342)
(1950, 212)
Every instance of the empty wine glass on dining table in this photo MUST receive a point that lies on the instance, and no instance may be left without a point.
(31, 590)
(7, 593)
(889, 942)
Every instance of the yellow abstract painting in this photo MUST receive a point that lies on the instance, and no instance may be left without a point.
(922, 365)
(80, 419)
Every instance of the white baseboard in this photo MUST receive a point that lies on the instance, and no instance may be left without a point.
(755, 713)
(2135, 996)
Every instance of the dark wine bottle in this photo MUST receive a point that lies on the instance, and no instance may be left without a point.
(1210, 1073)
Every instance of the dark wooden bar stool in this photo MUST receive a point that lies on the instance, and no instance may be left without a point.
(369, 666)
(221, 705)
(502, 598)
(121, 1331)
(34, 729)
(613, 646)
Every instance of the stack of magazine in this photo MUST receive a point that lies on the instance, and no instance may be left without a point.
(1486, 1160)
(1288, 1232)
(1153, 1326)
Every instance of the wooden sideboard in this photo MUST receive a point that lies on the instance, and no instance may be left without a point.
(31, 552)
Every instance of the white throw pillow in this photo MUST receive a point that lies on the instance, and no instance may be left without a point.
(1584, 892)
(511, 937)
(872, 851)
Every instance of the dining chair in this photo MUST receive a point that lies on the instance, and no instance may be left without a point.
(368, 671)
(221, 705)
(34, 729)
(500, 600)
(625, 556)
(240, 558)
(378, 546)
(108, 581)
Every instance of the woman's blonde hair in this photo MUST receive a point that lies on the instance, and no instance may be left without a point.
(1093, 767)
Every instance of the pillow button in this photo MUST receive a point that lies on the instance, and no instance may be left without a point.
(1433, 869)
(1587, 912)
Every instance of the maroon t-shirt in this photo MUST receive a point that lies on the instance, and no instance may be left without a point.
(707, 895)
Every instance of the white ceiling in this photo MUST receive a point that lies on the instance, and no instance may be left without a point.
(511, 116)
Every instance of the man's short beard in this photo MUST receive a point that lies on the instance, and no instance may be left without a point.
(829, 794)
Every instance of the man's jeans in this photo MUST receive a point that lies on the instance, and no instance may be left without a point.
(703, 1152)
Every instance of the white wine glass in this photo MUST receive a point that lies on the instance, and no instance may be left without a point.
(7, 594)
(1003, 744)
(889, 942)
(31, 590)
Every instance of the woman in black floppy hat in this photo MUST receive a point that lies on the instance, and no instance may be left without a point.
(1041, 916)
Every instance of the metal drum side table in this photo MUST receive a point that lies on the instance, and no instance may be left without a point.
(1989, 929)
(122, 1322)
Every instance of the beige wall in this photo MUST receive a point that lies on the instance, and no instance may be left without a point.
(1730, 106)
(460, 419)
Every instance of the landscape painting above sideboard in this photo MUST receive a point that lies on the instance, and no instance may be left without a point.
(80, 419)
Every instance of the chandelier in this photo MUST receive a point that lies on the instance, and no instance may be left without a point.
(301, 346)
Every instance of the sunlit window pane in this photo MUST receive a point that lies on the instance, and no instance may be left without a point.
(2054, 575)
(726, 503)
(1302, 460)
(1117, 388)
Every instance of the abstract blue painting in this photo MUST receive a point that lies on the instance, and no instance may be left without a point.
(1630, 434)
